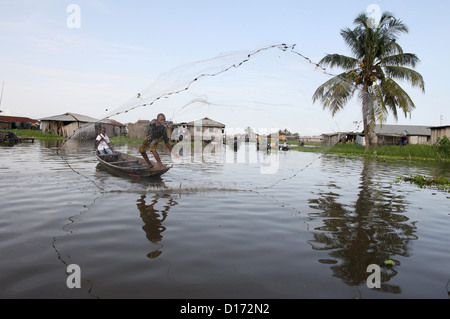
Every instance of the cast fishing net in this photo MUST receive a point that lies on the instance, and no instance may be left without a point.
(264, 90)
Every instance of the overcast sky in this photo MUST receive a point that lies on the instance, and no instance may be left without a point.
(94, 58)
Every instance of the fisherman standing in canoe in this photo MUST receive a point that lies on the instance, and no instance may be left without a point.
(156, 131)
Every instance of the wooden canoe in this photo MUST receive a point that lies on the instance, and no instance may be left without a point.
(130, 165)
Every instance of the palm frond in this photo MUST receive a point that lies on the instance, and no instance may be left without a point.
(395, 97)
(405, 59)
(338, 60)
(352, 39)
(386, 46)
(409, 75)
(370, 42)
(335, 93)
(393, 26)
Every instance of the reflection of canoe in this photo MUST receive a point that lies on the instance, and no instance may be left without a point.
(131, 165)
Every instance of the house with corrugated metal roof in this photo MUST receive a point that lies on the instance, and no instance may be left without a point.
(331, 139)
(385, 134)
(80, 126)
(17, 122)
(114, 128)
(204, 129)
(439, 132)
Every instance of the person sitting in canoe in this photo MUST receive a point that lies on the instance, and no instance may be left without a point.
(102, 143)
(156, 131)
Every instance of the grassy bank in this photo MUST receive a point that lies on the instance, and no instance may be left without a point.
(36, 134)
(124, 140)
(308, 147)
(407, 152)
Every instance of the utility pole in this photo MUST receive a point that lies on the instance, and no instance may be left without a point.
(1, 96)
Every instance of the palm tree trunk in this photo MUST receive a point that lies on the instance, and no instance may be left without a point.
(365, 111)
(366, 130)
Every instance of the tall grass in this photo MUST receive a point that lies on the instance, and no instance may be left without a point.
(123, 140)
(408, 152)
(36, 134)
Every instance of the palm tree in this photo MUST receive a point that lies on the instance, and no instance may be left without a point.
(378, 61)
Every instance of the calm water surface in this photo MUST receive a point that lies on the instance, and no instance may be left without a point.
(219, 230)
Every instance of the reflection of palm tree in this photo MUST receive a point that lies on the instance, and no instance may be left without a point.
(153, 220)
(371, 234)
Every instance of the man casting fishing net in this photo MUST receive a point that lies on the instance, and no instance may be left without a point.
(156, 131)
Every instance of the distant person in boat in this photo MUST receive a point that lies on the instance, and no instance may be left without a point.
(156, 131)
(102, 143)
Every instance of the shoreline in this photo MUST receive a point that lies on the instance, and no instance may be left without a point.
(407, 152)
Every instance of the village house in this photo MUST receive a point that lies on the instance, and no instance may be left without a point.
(113, 127)
(80, 126)
(395, 134)
(382, 135)
(138, 129)
(313, 139)
(331, 139)
(17, 122)
(439, 132)
(205, 130)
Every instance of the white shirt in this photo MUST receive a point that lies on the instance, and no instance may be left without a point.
(102, 145)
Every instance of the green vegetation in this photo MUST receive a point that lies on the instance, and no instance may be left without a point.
(286, 132)
(439, 152)
(441, 182)
(123, 140)
(389, 262)
(36, 134)
(310, 147)
(443, 146)
(408, 152)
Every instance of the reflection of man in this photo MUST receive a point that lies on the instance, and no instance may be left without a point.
(153, 221)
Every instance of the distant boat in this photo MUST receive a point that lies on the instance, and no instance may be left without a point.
(125, 164)
(10, 138)
(286, 147)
